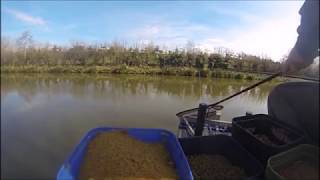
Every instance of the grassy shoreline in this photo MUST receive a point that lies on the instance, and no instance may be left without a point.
(123, 69)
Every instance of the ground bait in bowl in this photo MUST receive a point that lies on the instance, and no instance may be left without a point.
(205, 166)
(300, 170)
(277, 136)
(116, 155)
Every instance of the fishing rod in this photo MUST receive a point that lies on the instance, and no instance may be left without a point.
(284, 75)
(235, 94)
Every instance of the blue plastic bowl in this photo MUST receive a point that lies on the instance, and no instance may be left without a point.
(71, 167)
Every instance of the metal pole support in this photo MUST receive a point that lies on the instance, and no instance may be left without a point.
(201, 119)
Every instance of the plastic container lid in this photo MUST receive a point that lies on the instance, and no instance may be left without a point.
(303, 152)
(70, 168)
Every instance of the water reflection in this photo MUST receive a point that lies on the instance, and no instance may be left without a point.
(102, 86)
(43, 115)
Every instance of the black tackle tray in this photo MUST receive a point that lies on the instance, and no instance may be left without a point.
(249, 131)
(226, 146)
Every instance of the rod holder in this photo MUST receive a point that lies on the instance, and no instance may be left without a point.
(202, 110)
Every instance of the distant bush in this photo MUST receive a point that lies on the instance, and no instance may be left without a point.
(168, 71)
(203, 73)
(249, 77)
(90, 69)
(216, 74)
(238, 76)
(187, 72)
(103, 69)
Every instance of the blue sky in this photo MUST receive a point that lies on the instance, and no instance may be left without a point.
(256, 27)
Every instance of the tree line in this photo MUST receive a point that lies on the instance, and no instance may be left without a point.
(25, 51)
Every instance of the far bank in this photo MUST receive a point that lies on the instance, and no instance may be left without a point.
(146, 70)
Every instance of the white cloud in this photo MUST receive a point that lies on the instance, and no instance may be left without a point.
(272, 35)
(168, 34)
(26, 17)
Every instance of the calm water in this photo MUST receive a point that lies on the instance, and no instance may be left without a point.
(44, 116)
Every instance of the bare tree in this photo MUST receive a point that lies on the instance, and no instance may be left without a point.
(24, 42)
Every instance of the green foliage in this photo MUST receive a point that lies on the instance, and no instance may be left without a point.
(126, 58)
(20, 55)
(238, 76)
(89, 69)
(203, 73)
(249, 77)
(188, 72)
(124, 69)
(168, 71)
(216, 74)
